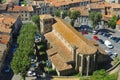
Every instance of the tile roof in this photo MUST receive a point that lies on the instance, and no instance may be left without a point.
(20, 8)
(101, 50)
(2, 49)
(6, 22)
(45, 16)
(115, 5)
(96, 6)
(106, 17)
(118, 22)
(73, 37)
(59, 63)
(58, 3)
(58, 47)
(4, 39)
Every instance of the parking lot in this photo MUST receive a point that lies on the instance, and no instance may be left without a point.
(114, 33)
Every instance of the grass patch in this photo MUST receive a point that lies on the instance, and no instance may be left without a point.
(116, 60)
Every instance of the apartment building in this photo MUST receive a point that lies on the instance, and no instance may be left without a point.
(25, 12)
(68, 50)
(83, 19)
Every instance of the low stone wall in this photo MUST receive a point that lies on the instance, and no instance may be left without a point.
(114, 69)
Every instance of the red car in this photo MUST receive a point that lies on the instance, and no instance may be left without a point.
(95, 37)
(84, 32)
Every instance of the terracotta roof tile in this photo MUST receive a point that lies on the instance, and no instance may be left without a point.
(59, 63)
(58, 3)
(6, 22)
(4, 39)
(45, 16)
(21, 8)
(73, 37)
(58, 47)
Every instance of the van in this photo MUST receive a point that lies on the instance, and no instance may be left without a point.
(108, 44)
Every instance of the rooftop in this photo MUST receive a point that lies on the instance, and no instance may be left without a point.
(45, 16)
(58, 47)
(59, 63)
(4, 39)
(58, 3)
(6, 22)
(21, 8)
(73, 37)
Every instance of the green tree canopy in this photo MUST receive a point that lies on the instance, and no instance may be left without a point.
(73, 15)
(95, 17)
(112, 21)
(35, 19)
(57, 13)
(102, 75)
(21, 60)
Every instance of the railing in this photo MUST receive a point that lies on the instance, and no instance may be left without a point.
(114, 69)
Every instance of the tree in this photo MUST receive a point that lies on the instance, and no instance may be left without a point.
(21, 60)
(57, 13)
(35, 19)
(102, 75)
(95, 17)
(73, 15)
(112, 22)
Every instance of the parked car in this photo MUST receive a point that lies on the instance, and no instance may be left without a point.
(84, 32)
(31, 73)
(115, 39)
(7, 69)
(106, 35)
(108, 44)
(112, 54)
(95, 37)
(108, 52)
(101, 41)
(101, 33)
(95, 32)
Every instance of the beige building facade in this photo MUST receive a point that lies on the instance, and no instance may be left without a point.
(68, 50)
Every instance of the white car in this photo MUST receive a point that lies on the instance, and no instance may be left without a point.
(31, 73)
(108, 44)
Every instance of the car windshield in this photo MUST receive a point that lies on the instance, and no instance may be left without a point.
(109, 45)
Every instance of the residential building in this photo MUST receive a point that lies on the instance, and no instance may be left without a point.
(10, 25)
(84, 15)
(25, 12)
(68, 50)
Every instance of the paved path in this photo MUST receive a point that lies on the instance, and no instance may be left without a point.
(118, 75)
